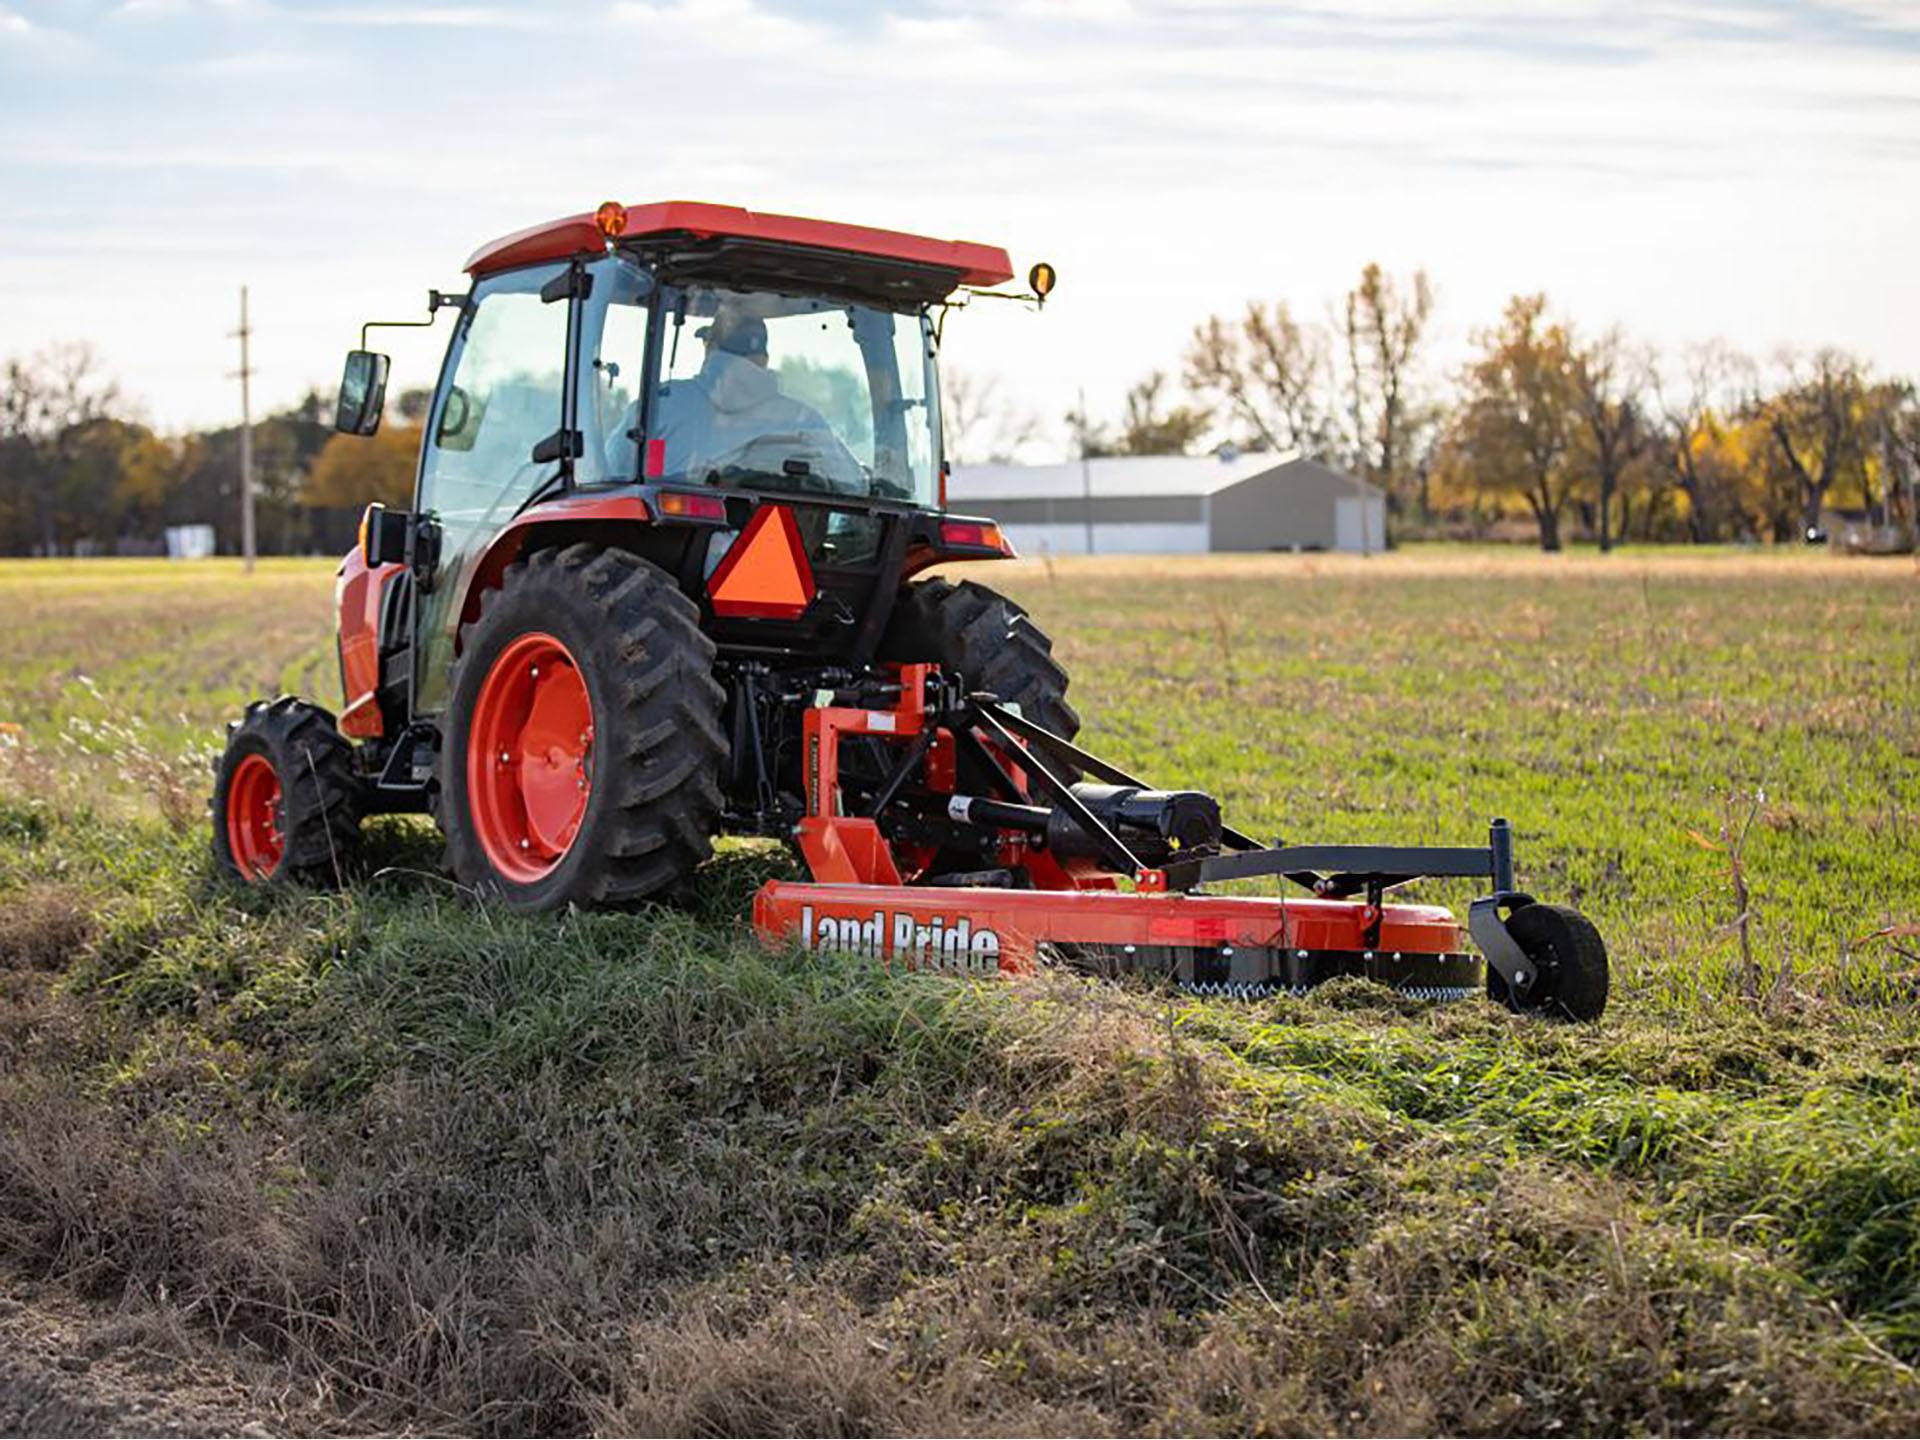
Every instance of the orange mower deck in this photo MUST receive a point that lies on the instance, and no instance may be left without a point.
(1227, 941)
(1052, 888)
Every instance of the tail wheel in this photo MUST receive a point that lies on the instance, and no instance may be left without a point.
(983, 636)
(583, 748)
(1570, 960)
(286, 803)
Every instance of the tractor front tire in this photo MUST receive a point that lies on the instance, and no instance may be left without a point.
(286, 803)
(1570, 964)
(583, 750)
(992, 643)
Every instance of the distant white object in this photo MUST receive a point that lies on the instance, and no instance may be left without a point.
(189, 542)
(1174, 504)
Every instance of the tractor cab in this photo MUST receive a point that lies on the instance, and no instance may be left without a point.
(751, 401)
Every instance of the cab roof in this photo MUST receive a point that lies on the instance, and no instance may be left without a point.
(969, 263)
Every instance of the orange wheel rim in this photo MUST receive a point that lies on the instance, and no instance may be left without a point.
(530, 758)
(254, 838)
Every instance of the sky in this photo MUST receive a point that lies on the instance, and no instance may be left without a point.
(1739, 169)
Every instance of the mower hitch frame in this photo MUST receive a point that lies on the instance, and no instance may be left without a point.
(1051, 865)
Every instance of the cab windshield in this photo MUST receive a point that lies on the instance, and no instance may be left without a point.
(780, 392)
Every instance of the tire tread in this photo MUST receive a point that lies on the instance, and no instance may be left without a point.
(321, 796)
(1572, 959)
(989, 640)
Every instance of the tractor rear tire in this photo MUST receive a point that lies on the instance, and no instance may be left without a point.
(286, 803)
(992, 643)
(601, 789)
(1569, 957)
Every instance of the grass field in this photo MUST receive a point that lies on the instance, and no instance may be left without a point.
(451, 1169)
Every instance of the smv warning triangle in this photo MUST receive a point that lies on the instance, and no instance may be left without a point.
(764, 574)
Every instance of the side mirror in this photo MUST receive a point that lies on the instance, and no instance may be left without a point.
(363, 393)
(383, 536)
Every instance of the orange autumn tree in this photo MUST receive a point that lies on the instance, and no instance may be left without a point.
(353, 471)
(1514, 430)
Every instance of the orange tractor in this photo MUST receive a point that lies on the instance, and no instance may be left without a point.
(663, 579)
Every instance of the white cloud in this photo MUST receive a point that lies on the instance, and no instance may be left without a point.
(145, 9)
(723, 25)
(265, 62)
(449, 17)
(12, 23)
(1893, 14)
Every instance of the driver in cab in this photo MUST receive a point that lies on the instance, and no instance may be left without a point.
(731, 422)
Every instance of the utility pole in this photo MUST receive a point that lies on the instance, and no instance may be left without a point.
(246, 439)
(1086, 470)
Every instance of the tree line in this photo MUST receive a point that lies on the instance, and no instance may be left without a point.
(82, 472)
(1572, 431)
(1575, 432)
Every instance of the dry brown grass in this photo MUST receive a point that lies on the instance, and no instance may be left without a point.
(45, 926)
(1079, 1221)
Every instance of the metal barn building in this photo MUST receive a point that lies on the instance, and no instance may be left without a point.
(1168, 504)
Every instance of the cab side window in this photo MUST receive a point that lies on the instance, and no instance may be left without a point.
(502, 400)
(502, 397)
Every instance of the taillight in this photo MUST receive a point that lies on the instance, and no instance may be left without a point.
(683, 505)
(974, 534)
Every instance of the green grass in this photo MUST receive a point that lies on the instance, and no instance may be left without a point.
(463, 1170)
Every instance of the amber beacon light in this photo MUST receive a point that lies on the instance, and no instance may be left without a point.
(611, 218)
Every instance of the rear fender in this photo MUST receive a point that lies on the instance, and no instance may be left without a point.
(562, 521)
(949, 538)
(925, 557)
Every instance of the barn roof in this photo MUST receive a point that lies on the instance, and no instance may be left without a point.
(1112, 476)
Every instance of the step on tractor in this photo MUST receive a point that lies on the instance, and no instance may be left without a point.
(665, 576)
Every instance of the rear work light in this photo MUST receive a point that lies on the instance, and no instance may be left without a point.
(684, 506)
(974, 535)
